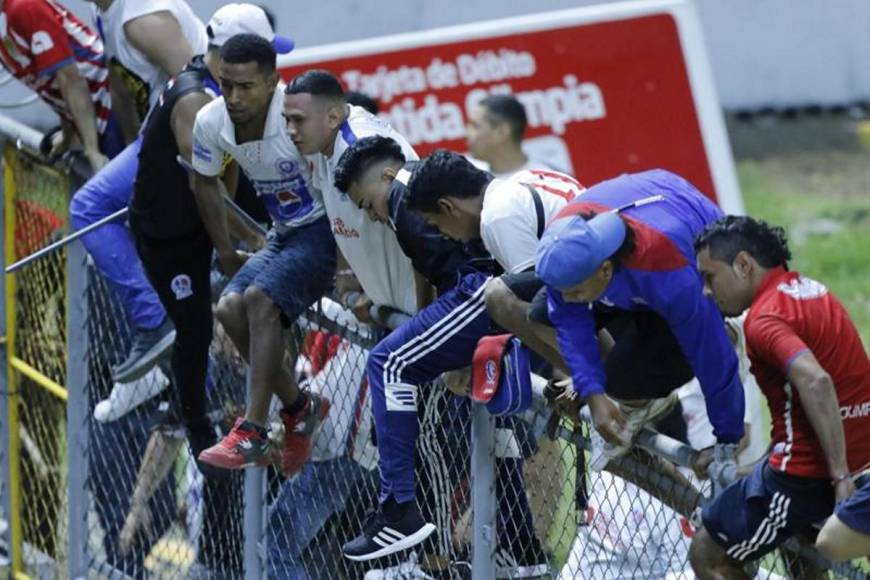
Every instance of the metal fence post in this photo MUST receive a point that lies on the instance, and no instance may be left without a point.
(483, 498)
(253, 524)
(77, 409)
(5, 385)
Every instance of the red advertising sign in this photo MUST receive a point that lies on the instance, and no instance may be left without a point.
(603, 97)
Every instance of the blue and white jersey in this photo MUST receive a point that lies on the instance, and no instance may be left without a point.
(281, 175)
(370, 248)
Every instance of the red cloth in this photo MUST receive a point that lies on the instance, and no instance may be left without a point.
(486, 366)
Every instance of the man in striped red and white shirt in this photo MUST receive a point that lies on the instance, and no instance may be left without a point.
(52, 52)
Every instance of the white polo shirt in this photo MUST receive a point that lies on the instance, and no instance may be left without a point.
(281, 176)
(509, 221)
(370, 248)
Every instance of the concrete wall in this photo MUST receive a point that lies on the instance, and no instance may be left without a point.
(764, 52)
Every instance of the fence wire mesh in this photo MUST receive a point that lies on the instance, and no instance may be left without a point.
(152, 515)
(36, 214)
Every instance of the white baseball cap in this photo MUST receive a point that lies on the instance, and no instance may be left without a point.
(234, 19)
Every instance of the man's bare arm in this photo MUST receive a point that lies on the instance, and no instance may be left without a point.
(819, 400)
(159, 37)
(75, 91)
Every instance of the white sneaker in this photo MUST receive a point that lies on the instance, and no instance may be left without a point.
(407, 570)
(127, 396)
(636, 418)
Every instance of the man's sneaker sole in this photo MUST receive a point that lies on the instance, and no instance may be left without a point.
(147, 361)
(403, 544)
(530, 571)
(215, 462)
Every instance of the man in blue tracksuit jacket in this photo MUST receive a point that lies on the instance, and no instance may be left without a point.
(622, 252)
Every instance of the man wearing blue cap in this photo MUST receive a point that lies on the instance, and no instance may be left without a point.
(621, 256)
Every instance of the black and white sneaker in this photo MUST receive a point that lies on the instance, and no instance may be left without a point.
(531, 562)
(382, 537)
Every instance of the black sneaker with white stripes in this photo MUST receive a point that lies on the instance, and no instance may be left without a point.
(382, 536)
(530, 561)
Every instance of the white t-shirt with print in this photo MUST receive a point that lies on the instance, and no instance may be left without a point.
(280, 175)
(509, 221)
(143, 72)
(370, 248)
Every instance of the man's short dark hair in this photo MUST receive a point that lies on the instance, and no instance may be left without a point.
(444, 173)
(317, 83)
(244, 48)
(732, 234)
(362, 100)
(361, 155)
(507, 109)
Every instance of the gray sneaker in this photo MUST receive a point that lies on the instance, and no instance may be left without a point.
(148, 347)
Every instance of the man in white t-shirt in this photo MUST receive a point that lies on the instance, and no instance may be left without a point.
(280, 281)
(440, 338)
(495, 131)
(145, 44)
(323, 126)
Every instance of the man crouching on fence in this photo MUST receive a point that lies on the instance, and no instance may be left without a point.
(814, 372)
(620, 257)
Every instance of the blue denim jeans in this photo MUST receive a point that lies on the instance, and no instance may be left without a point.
(111, 246)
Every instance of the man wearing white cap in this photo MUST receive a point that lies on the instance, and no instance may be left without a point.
(171, 238)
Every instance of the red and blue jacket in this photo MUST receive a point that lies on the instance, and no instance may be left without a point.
(660, 275)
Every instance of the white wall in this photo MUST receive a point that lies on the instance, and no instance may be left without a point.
(764, 52)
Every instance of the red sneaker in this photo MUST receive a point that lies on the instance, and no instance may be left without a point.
(242, 447)
(299, 429)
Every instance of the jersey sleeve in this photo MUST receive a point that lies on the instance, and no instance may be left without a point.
(208, 157)
(578, 343)
(41, 26)
(699, 328)
(774, 340)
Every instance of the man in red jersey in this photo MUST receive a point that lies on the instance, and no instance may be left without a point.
(48, 49)
(811, 366)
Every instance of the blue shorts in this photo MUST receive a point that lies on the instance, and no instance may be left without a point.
(294, 269)
(761, 511)
(855, 511)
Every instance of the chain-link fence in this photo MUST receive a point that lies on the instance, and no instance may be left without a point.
(98, 480)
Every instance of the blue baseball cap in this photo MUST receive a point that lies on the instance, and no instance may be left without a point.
(572, 248)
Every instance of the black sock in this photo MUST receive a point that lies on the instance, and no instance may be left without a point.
(298, 404)
(394, 510)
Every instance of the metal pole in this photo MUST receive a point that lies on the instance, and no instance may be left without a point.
(5, 385)
(483, 500)
(253, 520)
(66, 240)
(77, 410)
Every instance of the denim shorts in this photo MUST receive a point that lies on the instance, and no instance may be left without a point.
(294, 269)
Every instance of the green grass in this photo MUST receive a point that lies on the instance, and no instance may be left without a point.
(841, 259)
